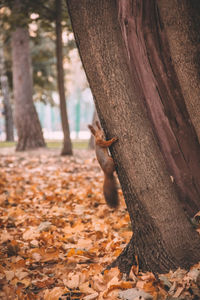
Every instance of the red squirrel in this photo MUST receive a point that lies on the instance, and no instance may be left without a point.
(107, 165)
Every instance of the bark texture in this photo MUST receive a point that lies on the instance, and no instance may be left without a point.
(181, 21)
(162, 233)
(67, 145)
(26, 119)
(9, 126)
(149, 58)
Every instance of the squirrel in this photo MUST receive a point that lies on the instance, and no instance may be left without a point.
(107, 165)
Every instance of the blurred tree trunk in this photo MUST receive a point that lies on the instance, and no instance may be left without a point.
(9, 127)
(162, 232)
(26, 119)
(67, 145)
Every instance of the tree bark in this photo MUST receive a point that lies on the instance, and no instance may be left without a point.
(182, 23)
(9, 127)
(26, 119)
(162, 233)
(149, 58)
(67, 145)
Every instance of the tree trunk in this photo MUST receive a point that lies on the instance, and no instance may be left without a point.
(9, 128)
(26, 119)
(162, 233)
(149, 58)
(182, 23)
(67, 145)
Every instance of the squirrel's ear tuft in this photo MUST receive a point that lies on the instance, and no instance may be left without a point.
(92, 129)
(98, 125)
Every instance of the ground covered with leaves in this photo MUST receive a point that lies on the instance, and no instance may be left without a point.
(57, 234)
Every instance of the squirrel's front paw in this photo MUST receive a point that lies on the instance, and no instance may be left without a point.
(114, 139)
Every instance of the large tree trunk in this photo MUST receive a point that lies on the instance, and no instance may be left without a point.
(182, 22)
(150, 60)
(162, 233)
(67, 145)
(26, 119)
(9, 127)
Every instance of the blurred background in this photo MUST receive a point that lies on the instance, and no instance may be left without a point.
(41, 21)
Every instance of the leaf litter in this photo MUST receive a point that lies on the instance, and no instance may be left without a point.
(58, 235)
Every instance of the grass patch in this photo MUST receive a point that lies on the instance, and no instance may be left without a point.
(7, 144)
(77, 144)
(80, 144)
(53, 144)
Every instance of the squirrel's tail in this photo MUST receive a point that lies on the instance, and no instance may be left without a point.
(110, 190)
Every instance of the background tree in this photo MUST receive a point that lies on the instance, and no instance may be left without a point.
(27, 123)
(41, 18)
(120, 79)
(42, 48)
(9, 128)
(67, 145)
(51, 17)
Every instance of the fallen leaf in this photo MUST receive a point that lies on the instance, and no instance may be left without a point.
(54, 294)
(9, 275)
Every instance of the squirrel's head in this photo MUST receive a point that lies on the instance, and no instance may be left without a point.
(97, 132)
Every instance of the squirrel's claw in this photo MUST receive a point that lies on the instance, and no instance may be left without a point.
(114, 139)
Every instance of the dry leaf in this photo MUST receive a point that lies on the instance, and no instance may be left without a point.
(54, 294)
(73, 281)
(9, 275)
(91, 297)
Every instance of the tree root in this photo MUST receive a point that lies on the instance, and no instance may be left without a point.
(125, 260)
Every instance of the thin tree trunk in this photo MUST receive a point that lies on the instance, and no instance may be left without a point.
(67, 145)
(9, 127)
(162, 233)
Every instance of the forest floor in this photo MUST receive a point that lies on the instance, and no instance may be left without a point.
(57, 234)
